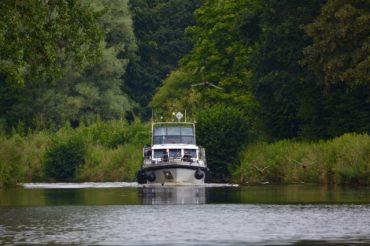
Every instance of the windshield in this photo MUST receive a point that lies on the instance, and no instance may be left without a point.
(173, 135)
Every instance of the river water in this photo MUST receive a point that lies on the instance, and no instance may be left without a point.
(128, 214)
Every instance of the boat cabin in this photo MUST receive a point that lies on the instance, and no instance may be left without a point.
(173, 142)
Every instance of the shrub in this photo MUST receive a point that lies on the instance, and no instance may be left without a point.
(222, 131)
(104, 164)
(63, 158)
(11, 170)
(343, 160)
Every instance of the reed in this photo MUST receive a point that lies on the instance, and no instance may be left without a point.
(108, 151)
(103, 164)
(22, 157)
(343, 160)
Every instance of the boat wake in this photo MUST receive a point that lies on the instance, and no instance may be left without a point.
(79, 185)
(107, 185)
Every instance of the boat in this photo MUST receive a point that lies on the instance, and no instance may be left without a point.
(173, 158)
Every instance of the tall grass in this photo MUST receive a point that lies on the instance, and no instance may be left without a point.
(343, 160)
(104, 164)
(21, 158)
(106, 151)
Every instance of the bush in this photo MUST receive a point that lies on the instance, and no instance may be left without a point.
(223, 131)
(63, 158)
(114, 133)
(103, 151)
(343, 160)
(103, 164)
(11, 170)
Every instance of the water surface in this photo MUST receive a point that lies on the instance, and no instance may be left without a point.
(128, 214)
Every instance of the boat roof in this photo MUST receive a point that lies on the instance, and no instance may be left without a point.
(173, 123)
(174, 146)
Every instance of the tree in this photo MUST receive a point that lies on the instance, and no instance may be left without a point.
(37, 38)
(340, 51)
(218, 56)
(273, 32)
(159, 29)
(77, 95)
(97, 91)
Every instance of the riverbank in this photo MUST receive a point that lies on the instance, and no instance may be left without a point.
(343, 160)
(112, 151)
(101, 152)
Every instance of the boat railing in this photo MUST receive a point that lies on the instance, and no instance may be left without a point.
(172, 160)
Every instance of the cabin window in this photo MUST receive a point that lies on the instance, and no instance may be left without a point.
(187, 140)
(158, 139)
(191, 152)
(188, 131)
(175, 153)
(159, 153)
(174, 131)
(160, 131)
(173, 135)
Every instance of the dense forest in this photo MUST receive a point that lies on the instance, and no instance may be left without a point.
(285, 72)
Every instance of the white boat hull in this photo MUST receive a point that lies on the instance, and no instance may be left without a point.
(174, 175)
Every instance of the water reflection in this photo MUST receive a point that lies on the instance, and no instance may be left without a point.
(173, 195)
(209, 194)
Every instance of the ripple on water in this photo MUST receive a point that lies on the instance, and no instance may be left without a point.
(208, 224)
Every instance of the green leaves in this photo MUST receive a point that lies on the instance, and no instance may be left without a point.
(64, 157)
(340, 52)
(159, 30)
(223, 131)
(38, 37)
(69, 81)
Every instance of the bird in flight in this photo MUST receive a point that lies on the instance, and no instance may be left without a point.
(207, 84)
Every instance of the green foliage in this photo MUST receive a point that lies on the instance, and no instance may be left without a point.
(11, 171)
(103, 151)
(273, 31)
(223, 131)
(104, 164)
(341, 36)
(343, 160)
(159, 30)
(175, 94)
(63, 158)
(111, 134)
(37, 38)
(79, 95)
(218, 56)
(21, 157)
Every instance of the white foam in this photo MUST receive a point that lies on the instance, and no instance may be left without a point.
(79, 185)
(107, 185)
(220, 185)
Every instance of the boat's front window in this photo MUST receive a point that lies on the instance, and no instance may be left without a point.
(191, 152)
(174, 135)
(187, 131)
(174, 130)
(160, 131)
(175, 153)
(159, 153)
